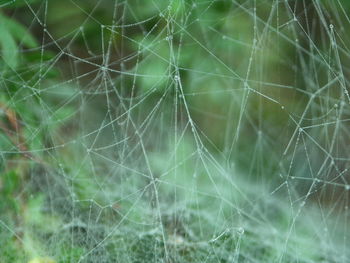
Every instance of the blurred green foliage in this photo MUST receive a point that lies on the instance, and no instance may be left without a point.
(41, 175)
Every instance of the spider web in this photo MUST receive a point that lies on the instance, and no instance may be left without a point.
(181, 131)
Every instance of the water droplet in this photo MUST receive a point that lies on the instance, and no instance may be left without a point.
(240, 231)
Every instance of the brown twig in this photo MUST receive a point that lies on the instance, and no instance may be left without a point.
(15, 133)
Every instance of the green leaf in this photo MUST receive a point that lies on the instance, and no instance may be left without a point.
(11, 182)
(4, 3)
(19, 32)
(8, 45)
(16, 3)
(10, 32)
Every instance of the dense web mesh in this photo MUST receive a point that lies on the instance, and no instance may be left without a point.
(174, 131)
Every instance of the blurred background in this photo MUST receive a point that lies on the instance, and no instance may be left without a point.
(174, 131)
